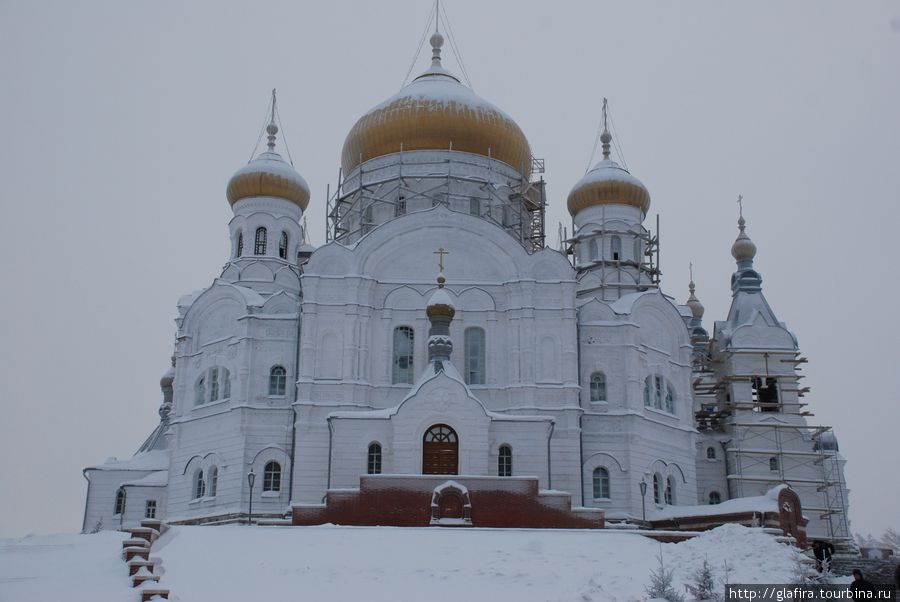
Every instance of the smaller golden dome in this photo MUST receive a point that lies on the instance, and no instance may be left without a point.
(743, 248)
(693, 303)
(269, 175)
(607, 183)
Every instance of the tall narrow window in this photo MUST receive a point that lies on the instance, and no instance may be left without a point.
(657, 489)
(637, 250)
(240, 244)
(150, 509)
(710, 453)
(601, 483)
(272, 477)
(260, 246)
(120, 501)
(670, 398)
(404, 339)
(659, 387)
(616, 247)
(594, 249)
(373, 464)
(475, 207)
(200, 391)
(367, 218)
(765, 394)
(199, 485)
(213, 384)
(401, 206)
(475, 356)
(213, 480)
(226, 383)
(504, 461)
(283, 245)
(773, 463)
(277, 380)
(598, 386)
(670, 491)
(715, 498)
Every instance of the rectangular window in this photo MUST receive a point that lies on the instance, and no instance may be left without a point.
(475, 207)
(475, 356)
(401, 206)
(150, 509)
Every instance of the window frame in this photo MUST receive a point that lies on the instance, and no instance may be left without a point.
(714, 498)
(283, 245)
(272, 477)
(600, 481)
(505, 461)
(374, 458)
(670, 497)
(199, 485)
(615, 247)
(597, 387)
(121, 498)
(277, 381)
(260, 244)
(150, 509)
(475, 372)
(403, 375)
(213, 482)
(239, 247)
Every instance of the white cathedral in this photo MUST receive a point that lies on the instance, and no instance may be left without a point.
(435, 341)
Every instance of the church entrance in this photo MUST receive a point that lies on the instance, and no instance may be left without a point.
(440, 450)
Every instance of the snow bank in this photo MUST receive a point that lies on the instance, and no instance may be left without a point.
(241, 563)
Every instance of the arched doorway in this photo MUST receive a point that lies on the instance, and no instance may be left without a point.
(440, 450)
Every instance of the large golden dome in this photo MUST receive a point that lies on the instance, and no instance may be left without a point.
(437, 112)
(269, 175)
(608, 183)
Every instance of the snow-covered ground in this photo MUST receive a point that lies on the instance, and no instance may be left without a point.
(243, 564)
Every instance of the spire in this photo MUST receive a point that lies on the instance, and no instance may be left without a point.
(743, 249)
(272, 129)
(693, 302)
(605, 137)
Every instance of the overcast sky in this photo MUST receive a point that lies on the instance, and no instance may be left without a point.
(122, 122)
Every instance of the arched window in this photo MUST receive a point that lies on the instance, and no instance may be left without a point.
(598, 386)
(120, 501)
(710, 453)
(601, 483)
(260, 247)
(659, 394)
(594, 249)
(670, 398)
(657, 488)
(504, 461)
(200, 391)
(226, 383)
(404, 339)
(283, 245)
(615, 244)
(272, 477)
(240, 244)
(773, 463)
(277, 380)
(213, 384)
(199, 485)
(373, 465)
(475, 352)
(715, 498)
(213, 479)
(670, 490)
(475, 207)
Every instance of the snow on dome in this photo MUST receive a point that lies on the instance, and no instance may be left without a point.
(608, 183)
(268, 175)
(437, 112)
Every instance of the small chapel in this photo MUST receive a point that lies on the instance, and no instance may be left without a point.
(435, 362)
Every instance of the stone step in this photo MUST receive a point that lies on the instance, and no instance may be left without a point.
(135, 565)
(154, 593)
(133, 552)
(135, 542)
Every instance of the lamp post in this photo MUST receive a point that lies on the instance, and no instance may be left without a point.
(643, 486)
(251, 478)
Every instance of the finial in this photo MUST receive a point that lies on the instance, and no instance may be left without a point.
(605, 137)
(741, 221)
(272, 129)
(441, 280)
(691, 283)
(693, 302)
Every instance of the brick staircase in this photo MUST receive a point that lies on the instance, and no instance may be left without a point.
(143, 571)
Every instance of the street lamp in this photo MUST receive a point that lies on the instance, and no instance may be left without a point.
(643, 486)
(251, 478)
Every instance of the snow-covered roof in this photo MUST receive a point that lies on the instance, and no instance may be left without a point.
(760, 503)
(160, 478)
(157, 459)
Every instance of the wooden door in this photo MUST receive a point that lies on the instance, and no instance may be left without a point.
(440, 450)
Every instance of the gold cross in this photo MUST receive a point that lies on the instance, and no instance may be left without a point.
(441, 252)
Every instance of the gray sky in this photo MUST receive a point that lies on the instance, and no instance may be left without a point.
(122, 122)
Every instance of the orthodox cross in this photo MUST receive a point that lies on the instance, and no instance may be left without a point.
(440, 253)
(741, 205)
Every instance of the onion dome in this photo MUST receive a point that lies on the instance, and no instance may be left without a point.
(608, 183)
(743, 248)
(437, 112)
(440, 303)
(269, 175)
(693, 302)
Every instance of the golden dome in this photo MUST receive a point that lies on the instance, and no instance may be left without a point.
(268, 175)
(437, 112)
(607, 184)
